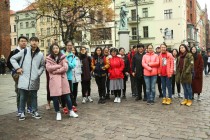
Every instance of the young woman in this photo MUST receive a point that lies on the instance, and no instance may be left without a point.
(126, 69)
(116, 74)
(175, 54)
(150, 62)
(99, 66)
(2, 65)
(197, 82)
(184, 69)
(76, 75)
(57, 65)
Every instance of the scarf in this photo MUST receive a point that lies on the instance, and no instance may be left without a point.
(181, 62)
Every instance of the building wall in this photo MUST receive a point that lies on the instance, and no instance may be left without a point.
(13, 33)
(191, 11)
(4, 28)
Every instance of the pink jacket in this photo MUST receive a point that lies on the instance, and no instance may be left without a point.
(58, 82)
(169, 65)
(150, 62)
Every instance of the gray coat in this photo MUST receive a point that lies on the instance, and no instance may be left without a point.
(32, 67)
(77, 71)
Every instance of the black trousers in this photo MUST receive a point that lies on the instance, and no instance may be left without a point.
(101, 83)
(208, 67)
(107, 85)
(124, 82)
(117, 93)
(63, 97)
(75, 91)
(159, 85)
(177, 85)
(85, 88)
(139, 84)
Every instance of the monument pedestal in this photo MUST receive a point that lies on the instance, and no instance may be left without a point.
(124, 39)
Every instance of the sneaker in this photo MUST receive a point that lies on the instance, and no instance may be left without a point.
(90, 99)
(58, 116)
(84, 100)
(115, 100)
(22, 117)
(36, 115)
(145, 99)
(107, 96)
(47, 107)
(18, 114)
(138, 98)
(65, 110)
(29, 110)
(73, 114)
(152, 102)
(198, 99)
(74, 108)
(119, 100)
(179, 95)
(148, 102)
(103, 101)
(100, 101)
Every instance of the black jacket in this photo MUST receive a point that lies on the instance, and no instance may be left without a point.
(137, 65)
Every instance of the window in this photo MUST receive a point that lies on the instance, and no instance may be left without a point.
(134, 33)
(145, 12)
(92, 17)
(48, 42)
(21, 34)
(100, 16)
(42, 43)
(48, 31)
(191, 17)
(168, 34)
(26, 15)
(133, 15)
(32, 24)
(21, 25)
(27, 25)
(48, 19)
(146, 32)
(15, 41)
(27, 35)
(190, 4)
(14, 28)
(41, 19)
(168, 14)
(33, 34)
(41, 31)
(55, 30)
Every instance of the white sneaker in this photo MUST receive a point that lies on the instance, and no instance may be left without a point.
(90, 99)
(198, 99)
(179, 95)
(84, 100)
(119, 100)
(22, 117)
(116, 100)
(73, 114)
(58, 116)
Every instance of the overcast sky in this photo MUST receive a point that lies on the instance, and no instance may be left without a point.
(17, 5)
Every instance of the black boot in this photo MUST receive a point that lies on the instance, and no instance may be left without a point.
(107, 96)
(123, 97)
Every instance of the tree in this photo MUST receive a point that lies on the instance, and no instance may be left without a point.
(74, 15)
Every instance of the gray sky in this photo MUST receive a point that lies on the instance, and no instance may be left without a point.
(17, 5)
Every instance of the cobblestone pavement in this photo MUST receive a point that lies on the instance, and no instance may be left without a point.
(127, 120)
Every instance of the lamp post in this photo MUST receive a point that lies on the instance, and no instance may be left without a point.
(16, 21)
(137, 18)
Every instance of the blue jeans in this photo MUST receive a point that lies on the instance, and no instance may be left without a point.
(24, 97)
(166, 82)
(187, 91)
(56, 102)
(150, 82)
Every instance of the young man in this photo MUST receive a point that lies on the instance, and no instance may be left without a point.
(30, 72)
(22, 43)
(165, 72)
(138, 73)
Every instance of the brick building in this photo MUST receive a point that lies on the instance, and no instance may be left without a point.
(5, 46)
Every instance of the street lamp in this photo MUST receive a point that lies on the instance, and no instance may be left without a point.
(16, 21)
(137, 16)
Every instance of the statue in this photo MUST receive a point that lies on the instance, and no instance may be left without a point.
(123, 17)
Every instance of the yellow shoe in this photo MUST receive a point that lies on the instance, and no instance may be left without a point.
(168, 102)
(184, 102)
(189, 103)
(164, 101)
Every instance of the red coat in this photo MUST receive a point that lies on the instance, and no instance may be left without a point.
(169, 65)
(116, 68)
(130, 59)
(197, 82)
(58, 83)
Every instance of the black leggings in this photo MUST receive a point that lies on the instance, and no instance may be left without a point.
(117, 93)
(177, 85)
(75, 90)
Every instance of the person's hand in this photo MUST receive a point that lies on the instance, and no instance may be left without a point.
(126, 73)
(20, 71)
(133, 73)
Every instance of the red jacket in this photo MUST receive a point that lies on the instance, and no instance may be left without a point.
(169, 65)
(116, 68)
(130, 58)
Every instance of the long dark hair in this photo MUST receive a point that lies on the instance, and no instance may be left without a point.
(185, 46)
(52, 54)
(177, 52)
(76, 52)
(95, 53)
(195, 55)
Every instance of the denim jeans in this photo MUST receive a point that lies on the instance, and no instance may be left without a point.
(187, 91)
(166, 82)
(56, 102)
(205, 70)
(150, 82)
(24, 94)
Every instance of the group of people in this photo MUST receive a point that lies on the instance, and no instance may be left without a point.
(66, 68)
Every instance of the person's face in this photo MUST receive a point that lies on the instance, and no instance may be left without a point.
(135, 49)
(83, 51)
(98, 51)
(140, 50)
(113, 53)
(22, 43)
(34, 44)
(150, 49)
(182, 49)
(193, 50)
(73, 51)
(56, 49)
(69, 47)
(174, 53)
(106, 51)
(158, 50)
(163, 48)
(122, 52)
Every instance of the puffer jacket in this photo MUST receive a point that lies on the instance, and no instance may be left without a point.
(169, 65)
(77, 71)
(116, 68)
(150, 62)
(33, 67)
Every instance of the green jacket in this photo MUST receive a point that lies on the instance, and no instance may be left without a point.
(185, 77)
